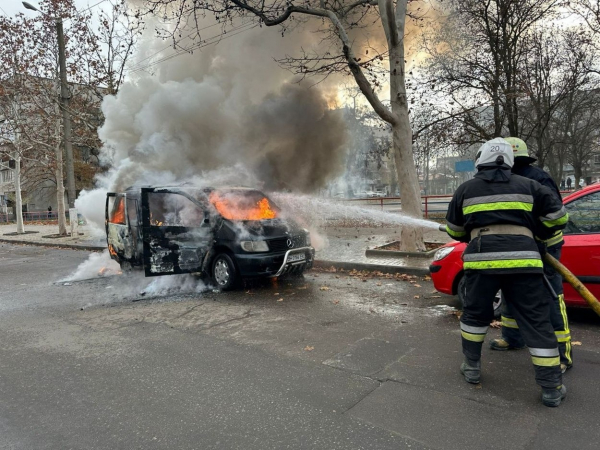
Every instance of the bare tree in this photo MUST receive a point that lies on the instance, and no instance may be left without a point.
(556, 64)
(476, 55)
(95, 67)
(580, 124)
(116, 36)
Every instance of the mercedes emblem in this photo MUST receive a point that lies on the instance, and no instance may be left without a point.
(290, 243)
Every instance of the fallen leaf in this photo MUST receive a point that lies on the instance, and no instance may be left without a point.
(276, 293)
(576, 343)
(436, 296)
(458, 314)
(309, 348)
(416, 285)
(280, 299)
(324, 288)
(426, 278)
(378, 284)
(417, 296)
(302, 287)
(478, 386)
(335, 302)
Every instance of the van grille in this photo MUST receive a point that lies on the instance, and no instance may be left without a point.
(281, 245)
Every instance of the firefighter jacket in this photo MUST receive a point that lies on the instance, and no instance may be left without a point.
(525, 169)
(495, 197)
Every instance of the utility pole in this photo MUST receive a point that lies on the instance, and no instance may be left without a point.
(64, 106)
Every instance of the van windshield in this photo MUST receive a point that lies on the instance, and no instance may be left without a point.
(243, 205)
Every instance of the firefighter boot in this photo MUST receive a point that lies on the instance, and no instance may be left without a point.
(502, 344)
(553, 397)
(471, 370)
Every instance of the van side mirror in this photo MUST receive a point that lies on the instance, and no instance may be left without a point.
(206, 220)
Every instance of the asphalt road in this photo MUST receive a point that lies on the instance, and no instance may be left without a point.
(325, 362)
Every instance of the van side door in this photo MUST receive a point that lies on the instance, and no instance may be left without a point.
(176, 236)
(118, 235)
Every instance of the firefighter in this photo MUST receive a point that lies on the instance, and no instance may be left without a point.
(511, 338)
(498, 213)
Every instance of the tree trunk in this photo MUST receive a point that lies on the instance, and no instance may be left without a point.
(578, 172)
(60, 192)
(18, 198)
(411, 238)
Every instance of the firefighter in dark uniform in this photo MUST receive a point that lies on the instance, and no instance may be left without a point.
(511, 338)
(498, 213)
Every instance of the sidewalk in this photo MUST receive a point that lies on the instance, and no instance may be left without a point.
(339, 247)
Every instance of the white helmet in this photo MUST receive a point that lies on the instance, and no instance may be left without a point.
(495, 153)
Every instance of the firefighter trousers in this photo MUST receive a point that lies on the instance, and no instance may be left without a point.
(531, 312)
(558, 315)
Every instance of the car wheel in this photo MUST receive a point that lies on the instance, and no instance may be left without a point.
(497, 300)
(224, 273)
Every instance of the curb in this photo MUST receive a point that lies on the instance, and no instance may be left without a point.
(317, 263)
(91, 248)
(371, 267)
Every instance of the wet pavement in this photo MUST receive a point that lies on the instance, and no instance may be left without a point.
(324, 362)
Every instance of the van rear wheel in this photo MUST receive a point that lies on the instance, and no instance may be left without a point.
(224, 272)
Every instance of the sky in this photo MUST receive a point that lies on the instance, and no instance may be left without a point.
(12, 7)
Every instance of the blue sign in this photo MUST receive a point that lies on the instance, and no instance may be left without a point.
(464, 166)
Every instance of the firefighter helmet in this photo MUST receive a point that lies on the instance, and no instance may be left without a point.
(496, 152)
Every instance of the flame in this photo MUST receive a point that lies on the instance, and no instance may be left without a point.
(102, 271)
(155, 222)
(112, 251)
(118, 215)
(229, 210)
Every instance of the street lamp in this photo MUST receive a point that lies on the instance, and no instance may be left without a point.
(64, 105)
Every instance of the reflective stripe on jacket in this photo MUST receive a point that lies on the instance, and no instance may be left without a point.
(493, 199)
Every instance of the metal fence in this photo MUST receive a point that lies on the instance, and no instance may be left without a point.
(33, 216)
(432, 205)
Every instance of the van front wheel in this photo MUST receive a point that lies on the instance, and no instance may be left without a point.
(224, 273)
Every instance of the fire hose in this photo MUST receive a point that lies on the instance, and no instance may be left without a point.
(570, 278)
(574, 281)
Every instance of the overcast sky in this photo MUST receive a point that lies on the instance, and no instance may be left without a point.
(12, 7)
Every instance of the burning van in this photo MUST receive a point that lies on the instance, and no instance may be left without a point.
(227, 234)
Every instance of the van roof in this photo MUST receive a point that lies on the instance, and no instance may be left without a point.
(191, 187)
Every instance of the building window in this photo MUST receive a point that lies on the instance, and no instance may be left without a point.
(597, 160)
(7, 176)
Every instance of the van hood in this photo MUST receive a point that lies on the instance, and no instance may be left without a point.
(261, 229)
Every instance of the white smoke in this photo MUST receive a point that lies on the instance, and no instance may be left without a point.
(227, 114)
(98, 264)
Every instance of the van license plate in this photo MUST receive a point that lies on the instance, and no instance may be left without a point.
(296, 257)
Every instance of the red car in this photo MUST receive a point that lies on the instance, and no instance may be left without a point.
(580, 253)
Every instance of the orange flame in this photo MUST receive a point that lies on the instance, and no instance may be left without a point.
(260, 211)
(112, 250)
(118, 215)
